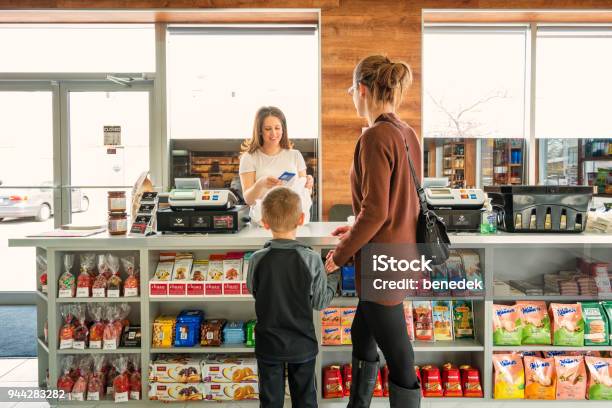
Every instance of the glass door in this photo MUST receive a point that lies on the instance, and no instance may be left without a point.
(97, 165)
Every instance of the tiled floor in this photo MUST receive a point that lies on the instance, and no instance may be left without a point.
(19, 372)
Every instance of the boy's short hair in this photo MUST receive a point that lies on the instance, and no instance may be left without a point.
(281, 209)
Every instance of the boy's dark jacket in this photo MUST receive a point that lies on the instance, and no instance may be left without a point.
(288, 280)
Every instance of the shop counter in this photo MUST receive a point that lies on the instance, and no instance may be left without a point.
(502, 257)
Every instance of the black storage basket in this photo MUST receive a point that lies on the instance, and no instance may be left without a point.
(540, 208)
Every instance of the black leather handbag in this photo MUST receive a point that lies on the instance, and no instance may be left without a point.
(432, 238)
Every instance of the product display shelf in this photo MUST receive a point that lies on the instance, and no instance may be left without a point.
(554, 298)
(43, 345)
(42, 296)
(507, 255)
(550, 348)
(100, 300)
(120, 350)
(224, 348)
(425, 346)
(209, 298)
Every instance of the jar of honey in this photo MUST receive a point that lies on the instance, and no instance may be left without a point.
(117, 223)
(116, 201)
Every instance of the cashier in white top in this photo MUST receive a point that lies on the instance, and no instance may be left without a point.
(268, 155)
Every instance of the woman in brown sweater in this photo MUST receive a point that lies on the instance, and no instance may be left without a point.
(386, 207)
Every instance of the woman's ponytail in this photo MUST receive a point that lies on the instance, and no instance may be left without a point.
(387, 80)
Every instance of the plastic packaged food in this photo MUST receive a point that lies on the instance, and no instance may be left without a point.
(509, 379)
(175, 369)
(113, 288)
(131, 285)
(96, 380)
(607, 307)
(182, 266)
(65, 382)
(232, 267)
(423, 324)
(163, 331)
(96, 330)
(507, 325)
(378, 390)
(229, 369)
(103, 268)
(540, 381)
(199, 270)
(215, 267)
(135, 380)
(178, 392)
(79, 389)
(408, 318)
(121, 382)
(132, 336)
(451, 381)
(41, 268)
(442, 320)
(385, 381)
(67, 281)
(571, 377)
(536, 322)
(231, 392)
(188, 326)
(81, 332)
(347, 315)
(600, 378)
(331, 316)
(567, 324)
(331, 335)
(463, 319)
(470, 381)
(66, 335)
(250, 333)
(431, 381)
(212, 332)
(115, 316)
(163, 272)
(595, 324)
(100, 283)
(332, 382)
(347, 379)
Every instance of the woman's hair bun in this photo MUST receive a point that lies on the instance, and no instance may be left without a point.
(386, 79)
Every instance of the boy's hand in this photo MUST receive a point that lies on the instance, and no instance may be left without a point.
(341, 232)
(330, 265)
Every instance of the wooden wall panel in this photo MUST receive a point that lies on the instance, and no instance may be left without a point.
(351, 30)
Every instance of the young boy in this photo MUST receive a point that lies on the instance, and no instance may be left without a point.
(287, 280)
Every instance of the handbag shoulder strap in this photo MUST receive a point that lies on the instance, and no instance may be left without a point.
(415, 179)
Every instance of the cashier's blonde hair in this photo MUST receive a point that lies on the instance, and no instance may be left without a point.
(387, 80)
(281, 209)
(256, 142)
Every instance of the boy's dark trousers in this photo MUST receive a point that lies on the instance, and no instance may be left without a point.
(301, 384)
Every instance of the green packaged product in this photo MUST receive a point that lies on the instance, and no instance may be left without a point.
(607, 308)
(536, 322)
(595, 324)
(600, 378)
(463, 319)
(507, 325)
(250, 333)
(567, 324)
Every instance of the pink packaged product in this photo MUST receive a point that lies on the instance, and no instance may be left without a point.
(571, 377)
(409, 319)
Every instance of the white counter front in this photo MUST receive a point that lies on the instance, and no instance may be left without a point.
(315, 234)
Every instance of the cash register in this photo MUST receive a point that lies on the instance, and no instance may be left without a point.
(192, 209)
(459, 208)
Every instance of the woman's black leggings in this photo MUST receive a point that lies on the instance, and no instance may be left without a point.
(385, 326)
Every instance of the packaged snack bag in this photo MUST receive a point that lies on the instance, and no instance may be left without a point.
(121, 382)
(423, 321)
(65, 382)
(135, 379)
(556, 353)
(347, 315)
(331, 316)
(81, 332)
(215, 267)
(385, 380)
(212, 332)
(41, 269)
(442, 320)
(431, 381)
(163, 331)
(232, 267)
(539, 378)
(332, 382)
(417, 370)
(470, 382)
(331, 335)
(507, 325)
(163, 272)
(451, 381)
(463, 319)
(199, 270)
(86, 275)
(595, 324)
(568, 325)
(96, 330)
(67, 281)
(509, 380)
(600, 378)
(182, 266)
(378, 391)
(409, 319)
(111, 373)
(571, 377)
(536, 323)
(96, 380)
(607, 308)
(131, 284)
(66, 335)
(113, 288)
(347, 378)
(79, 389)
